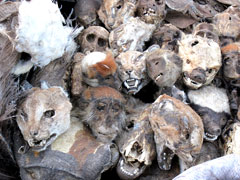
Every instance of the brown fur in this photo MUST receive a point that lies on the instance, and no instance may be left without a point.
(230, 48)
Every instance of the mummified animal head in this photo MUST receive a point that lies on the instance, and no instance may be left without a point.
(212, 104)
(105, 113)
(43, 116)
(132, 71)
(201, 60)
(177, 130)
(163, 67)
(137, 148)
(232, 144)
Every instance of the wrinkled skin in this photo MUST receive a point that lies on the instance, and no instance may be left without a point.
(177, 128)
(105, 112)
(151, 11)
(163, 67)
(86, 11)
(113, 13)
(201, 60)
(76, 154)
(167, 36)
(43, 116)
(137, 148)
(94, 38)
(207, 30)
(231, 63)
(231, 139)
(132, 71)
(226, 167)
(130, 36)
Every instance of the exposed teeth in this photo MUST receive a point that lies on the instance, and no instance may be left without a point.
(159, 76)
(148, 12)
(43, 142)
(210, 137)
(126, 171)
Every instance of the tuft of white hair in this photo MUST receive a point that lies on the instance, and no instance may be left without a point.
(41, 32)
(211, 97)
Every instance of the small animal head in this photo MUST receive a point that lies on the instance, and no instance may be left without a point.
(43, 115)
(212, 104)
(105, 112)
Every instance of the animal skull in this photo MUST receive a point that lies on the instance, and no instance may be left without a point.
(201, 60)
(130, 36)
(231, 63)
(232, 145)
(163, 67)
(113, 13)
(137, 148)
(212, 104)
(105, 113)
(177, 130)
(151, 11)
(43, 116)
(94, 38)
(132, 71)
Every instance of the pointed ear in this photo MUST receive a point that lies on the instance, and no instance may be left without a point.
(44, 85)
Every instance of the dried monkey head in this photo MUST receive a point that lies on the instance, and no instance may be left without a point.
(151, 11)
(231, 63)
(113, 13)
(94, 38)
(207, 30)
(105, 113)
(228, 22)
(43, 116)
(177, 130)
(130, 36)
(201, 60)
(167, 36)
(132, 71)
(137, 148)
(163, 67)
(212, 104)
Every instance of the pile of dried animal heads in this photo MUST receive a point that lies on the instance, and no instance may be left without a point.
(120, 89)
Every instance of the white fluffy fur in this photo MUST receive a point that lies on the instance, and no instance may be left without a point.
(91, 59)
(210, 97)
(41, 32)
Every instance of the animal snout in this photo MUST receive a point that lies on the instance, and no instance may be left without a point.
(34, 132)
(198, 75)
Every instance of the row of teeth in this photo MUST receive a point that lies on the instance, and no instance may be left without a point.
(148, 11)
(129, 80)
(32, 144)
(126, 172)
(193, 82)
(210, 137)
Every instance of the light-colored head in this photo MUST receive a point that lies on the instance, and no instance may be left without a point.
(43, 115)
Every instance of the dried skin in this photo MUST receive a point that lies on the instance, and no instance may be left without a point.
(176, 128)
(8, 9)
(43, 116)
(232, 145)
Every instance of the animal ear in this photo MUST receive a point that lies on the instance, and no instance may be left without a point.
(44, 85)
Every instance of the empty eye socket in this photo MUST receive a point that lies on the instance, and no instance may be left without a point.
(188, 61)
(90, 37)
(156, 63)
(158, 2)
(115, 107)
(49, 113)
(202, 2)
(227, 61)
(194, 43)
(102, 42)
(101, 106)
(23, 115)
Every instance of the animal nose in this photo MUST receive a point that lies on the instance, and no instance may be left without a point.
(128, 72)
(198, 75)
(217, 131)
(34, 133)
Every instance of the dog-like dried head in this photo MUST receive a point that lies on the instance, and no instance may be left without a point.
(164, 67)
(137, 148)
(177, 130)
(43, 116)
(232, 143)
(201, 60)
(212, 104)
(132, 71)
(105, 112)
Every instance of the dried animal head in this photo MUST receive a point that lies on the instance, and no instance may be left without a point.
(230, 2)
(99, 68)
(94, 38)
(132, 71)
(86, 11)
(105, 113)
(212, 104)
(232, 144)
(231, 63)
(151, 11)
(130, 36)
(201, 60)
(228, 22)
(137, 148)
(207, 30)
(167, 36)
(177, 130)
(164, 67)
(43, 116)
(113, 13)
